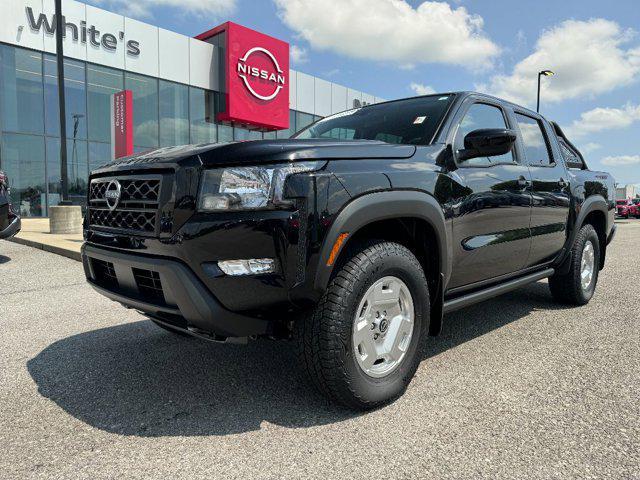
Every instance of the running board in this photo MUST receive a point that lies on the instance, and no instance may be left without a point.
(479, 296)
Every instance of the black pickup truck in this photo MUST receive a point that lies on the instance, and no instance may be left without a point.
(355, 236)
(9, 219)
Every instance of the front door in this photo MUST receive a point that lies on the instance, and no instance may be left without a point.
(491, 204)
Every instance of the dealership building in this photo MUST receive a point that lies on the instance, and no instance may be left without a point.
(230, 83)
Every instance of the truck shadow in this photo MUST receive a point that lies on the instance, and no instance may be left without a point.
(136, 379)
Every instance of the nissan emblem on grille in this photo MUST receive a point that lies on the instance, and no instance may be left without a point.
(112, 194)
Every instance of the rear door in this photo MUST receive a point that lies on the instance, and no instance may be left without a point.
(491, 202)
(550, 187)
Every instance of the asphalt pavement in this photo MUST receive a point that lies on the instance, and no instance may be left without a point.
(515, 387)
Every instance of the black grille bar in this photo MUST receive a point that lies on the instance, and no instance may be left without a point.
(136, 210)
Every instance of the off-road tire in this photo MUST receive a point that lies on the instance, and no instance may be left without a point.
(567, 288)
(324, 338)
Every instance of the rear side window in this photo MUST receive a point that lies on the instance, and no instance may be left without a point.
(571, 157)
(535, 143)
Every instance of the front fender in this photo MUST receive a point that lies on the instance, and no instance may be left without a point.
(386, 205)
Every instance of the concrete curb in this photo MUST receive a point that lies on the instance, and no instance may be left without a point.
(73, 255)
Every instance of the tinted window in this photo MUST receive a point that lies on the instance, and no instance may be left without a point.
(23, 160)
(413, 121)
(174, 114)
(481, 115)
(202, 116)
(75, 97)
(145, 109)
(102, 82)
(535, 143)
(21, 90)
(571, 158)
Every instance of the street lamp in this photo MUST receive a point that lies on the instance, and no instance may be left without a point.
(64, 181)
(545, 73)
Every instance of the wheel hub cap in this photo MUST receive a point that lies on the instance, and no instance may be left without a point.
(587, 265)
(383, 327)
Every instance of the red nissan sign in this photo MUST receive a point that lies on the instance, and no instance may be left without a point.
(122, 124)
(256, 77)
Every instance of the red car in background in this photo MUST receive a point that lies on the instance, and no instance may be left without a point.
(627, 208)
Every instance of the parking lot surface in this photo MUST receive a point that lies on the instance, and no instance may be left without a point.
(515, 387)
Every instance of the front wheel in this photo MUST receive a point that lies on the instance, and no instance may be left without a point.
(577, 286)
(365, 339)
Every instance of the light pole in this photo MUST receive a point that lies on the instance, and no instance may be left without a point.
(545, 73)
(64, 180)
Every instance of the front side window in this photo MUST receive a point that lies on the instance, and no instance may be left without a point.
(535, 144)
(413, 121)
(480, 116)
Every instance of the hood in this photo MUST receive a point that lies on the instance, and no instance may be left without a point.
(260, 151)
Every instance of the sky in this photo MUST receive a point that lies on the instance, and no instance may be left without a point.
(397, 48)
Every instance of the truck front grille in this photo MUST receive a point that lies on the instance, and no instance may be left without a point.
(136, 209)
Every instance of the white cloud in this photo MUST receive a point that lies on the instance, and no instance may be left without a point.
(588, 57)
(298, 54)
(391, 30)
(604, 118)
(147, 8)
(421, 89)
(589, 147)
(621, 160)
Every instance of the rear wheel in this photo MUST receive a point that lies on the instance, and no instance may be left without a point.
(365, 339)
(577, 286)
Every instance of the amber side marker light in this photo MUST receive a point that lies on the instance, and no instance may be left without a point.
(336, 248)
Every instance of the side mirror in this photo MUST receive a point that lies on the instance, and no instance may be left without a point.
(487, 142)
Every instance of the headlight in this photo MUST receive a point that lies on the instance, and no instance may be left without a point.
(248, 188)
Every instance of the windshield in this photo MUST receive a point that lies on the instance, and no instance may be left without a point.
(413, 121)
(621, 202)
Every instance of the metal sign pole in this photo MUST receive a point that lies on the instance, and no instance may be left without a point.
(64, 180)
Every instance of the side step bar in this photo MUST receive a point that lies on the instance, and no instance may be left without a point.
(479, 296)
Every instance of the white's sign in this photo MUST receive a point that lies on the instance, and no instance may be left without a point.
(81, 33)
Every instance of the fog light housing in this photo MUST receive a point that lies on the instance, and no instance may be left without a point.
(251, 266)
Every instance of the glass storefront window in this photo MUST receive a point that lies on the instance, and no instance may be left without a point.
(202, 113)
(102, 82)
(292, 126)
(75, 98)
(22, 158)
(303, 120)
(244, 134)
(99, 154)
(225, 133)
(21, 90)
(174, 114)
(77, 170)
(145, 109)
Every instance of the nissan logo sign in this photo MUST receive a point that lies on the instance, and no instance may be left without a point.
(112, 194)
(251, 73)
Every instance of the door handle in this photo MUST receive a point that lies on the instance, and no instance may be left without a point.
(523, 182)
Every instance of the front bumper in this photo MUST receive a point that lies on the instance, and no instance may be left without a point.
(164, 289)
(12, 229)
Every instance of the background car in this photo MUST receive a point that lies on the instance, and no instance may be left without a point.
(623, 208)
(9, 220)
(636, 207)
